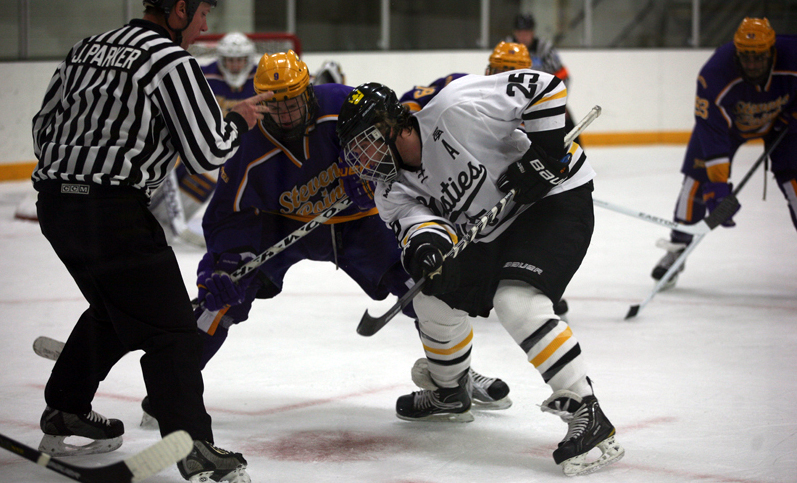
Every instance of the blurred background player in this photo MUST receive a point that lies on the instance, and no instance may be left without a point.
(544, 56)
(282, 176)
(330, 72)
(178, 202)
(746, 90)
(505, 56)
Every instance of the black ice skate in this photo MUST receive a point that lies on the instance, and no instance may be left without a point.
(674, 250)
(439, 404)
(488, 393)
(148, 421)
(58, 425)
(587, 427)
(206, 462)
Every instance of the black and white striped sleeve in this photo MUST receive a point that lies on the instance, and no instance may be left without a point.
(204, 139)
(43, 120)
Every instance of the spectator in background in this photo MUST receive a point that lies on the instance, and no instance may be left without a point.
(544, 56)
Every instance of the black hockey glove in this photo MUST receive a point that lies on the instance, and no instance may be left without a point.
(424, 256)
(534, 175)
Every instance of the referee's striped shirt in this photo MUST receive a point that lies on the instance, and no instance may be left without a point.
(123, 105)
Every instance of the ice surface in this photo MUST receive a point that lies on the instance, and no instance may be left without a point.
(701, 385)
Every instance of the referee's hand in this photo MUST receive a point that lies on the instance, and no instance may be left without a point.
(251, 109)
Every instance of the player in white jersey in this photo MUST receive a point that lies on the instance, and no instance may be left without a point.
(437, 172)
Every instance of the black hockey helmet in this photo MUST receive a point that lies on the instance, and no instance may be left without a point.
(525, 21)
(364, 107)
(166, 6)
(364, 130)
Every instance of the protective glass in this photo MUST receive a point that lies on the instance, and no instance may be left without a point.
(369, 155)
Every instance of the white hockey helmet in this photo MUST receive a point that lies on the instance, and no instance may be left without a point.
(330, 72)
(236, 54)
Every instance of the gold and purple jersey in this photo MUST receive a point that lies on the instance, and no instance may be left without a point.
(419, 96)
(730, 111)
(268, 176)
(226, 95)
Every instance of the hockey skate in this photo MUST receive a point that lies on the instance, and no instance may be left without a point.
(206, 462)
(487, 393)
(674, 250)
(587, 428)
(440, 404)
(58, 425)
(148, 421)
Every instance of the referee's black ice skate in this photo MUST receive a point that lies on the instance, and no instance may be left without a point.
(674, 250)
(148, 421)
(207, 462)
(58, 425)
(439, 404)
(587, 427)
(488, 393)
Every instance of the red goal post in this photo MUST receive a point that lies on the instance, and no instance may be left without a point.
(204, 47)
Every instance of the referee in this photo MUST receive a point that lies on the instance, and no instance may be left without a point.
(117, 113)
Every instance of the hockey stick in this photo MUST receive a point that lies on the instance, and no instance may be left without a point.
(140, 466)
(369, 325)
(209, 320)
(716, 218)
(727, 208)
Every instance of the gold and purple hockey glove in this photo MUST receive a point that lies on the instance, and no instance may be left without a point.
(216, 288)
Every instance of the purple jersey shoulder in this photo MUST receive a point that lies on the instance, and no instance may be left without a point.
(419, 96)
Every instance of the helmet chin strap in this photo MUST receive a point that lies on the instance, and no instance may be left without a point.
(178, 32)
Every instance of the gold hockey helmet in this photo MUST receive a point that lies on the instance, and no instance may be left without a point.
(508, 56)
(282, 73)
(754, 35)
(293, 108)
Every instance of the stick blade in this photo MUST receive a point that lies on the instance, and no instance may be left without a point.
(632, 311)
(168, 451)
(369, 326)
(47, 347)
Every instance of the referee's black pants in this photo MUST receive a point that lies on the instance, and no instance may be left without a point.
(117, 253)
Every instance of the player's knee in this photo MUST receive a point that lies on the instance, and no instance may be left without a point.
(521, 308)
(436, 318)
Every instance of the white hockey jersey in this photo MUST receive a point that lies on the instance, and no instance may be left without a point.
(470, 133)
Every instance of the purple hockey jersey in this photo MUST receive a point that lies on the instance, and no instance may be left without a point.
(226, 95)
(267, 176)
(419, 96)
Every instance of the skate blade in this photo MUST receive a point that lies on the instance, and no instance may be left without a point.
(611, 452)
(465, 417)
(498, 405)
(56, 446)
(238, 475)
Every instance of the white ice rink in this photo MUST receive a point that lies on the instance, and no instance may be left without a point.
(702, 385)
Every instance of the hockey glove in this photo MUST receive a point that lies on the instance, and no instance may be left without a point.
(216, 288)
(713, 194)
(534, 175)
(423, 257)
(359, 191)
